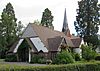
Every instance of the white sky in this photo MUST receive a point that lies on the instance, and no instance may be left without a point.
(30, 10)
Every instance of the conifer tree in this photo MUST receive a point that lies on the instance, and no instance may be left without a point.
(87, 20)
(8, 21)
(9, 29)
(47, 19)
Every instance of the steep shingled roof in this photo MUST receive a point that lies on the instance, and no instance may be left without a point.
(51, 38)
(45, 33)
(54, 43)
(76, 41)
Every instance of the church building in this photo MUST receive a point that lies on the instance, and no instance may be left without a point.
(40, 40)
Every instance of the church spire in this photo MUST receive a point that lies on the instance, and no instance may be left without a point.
(65, 28)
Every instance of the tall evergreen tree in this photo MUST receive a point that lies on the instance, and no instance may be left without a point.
(9, 29)
(8, 21)
(87, 20)
(47, 19)
(2, 42)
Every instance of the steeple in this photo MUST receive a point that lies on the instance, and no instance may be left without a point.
(65, 28)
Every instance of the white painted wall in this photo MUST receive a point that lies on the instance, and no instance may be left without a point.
(82, 42)
(77, 50)
(29, 55)
(98, 49)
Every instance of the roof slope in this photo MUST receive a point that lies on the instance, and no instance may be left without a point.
(50, 38)
(76, 41)
(45, 34)
(54, 43)
(13, 47)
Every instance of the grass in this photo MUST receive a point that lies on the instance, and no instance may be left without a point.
(1, 60)
(76, 63)
(6, 67)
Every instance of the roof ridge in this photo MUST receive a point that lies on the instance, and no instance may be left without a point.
(46, 28)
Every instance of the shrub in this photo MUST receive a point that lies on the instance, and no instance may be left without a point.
(64, 57)
(35, 59)
(77, 57)
(97, 57)
(11, 58)
(38, 59)
(42, 61)
(3, 52)
(48, 61)
(88, 53)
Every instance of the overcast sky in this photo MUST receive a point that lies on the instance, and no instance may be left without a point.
(30, 10)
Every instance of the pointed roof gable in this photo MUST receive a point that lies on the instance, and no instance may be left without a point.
(29, 32)
(76, 41)
(54, 43)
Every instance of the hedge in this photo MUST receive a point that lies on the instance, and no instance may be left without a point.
(68, 67)
(11, 58)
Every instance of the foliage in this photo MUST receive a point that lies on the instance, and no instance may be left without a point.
(37, 22)
(91, 39)
(2, 39)
(48, 61)
(88, 53)
(8, 21)
(35, 59)
(94, 66)
(77, 57)
(8, 28)
(97, 57)
(87, 20)
(38, 59)
(47, 19)
(2, 48)
(63, 57)
(20, 28)
(42, 61)
(11, 58)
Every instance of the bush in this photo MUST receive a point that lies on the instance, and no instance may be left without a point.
(64, 57)
(38, 59)
(42, 61)
(11, 58)
(48, 61)
(77, 57)
(97, 57)
(3, 52)
(88, 53)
